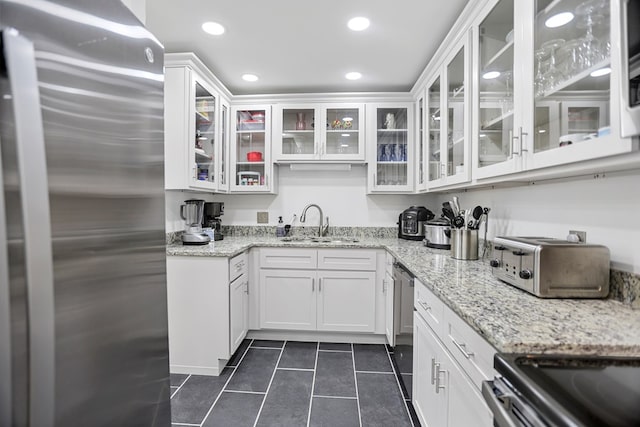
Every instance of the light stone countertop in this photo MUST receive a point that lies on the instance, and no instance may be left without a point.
(512, 320)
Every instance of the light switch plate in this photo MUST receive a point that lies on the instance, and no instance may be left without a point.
(263, 217)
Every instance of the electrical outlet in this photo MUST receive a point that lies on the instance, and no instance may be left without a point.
(263, 217)
(582, 235)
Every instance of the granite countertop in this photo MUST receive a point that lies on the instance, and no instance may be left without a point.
(512, 320)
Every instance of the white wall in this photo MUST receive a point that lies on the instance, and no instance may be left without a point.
(608, 209)
(341, 195)
(138, 7)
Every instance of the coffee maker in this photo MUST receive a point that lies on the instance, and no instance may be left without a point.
(211, 218)
(192, 212)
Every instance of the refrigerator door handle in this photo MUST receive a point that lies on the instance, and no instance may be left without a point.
(6, 404)
(20, 62)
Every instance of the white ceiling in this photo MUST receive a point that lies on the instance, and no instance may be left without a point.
(298, 46)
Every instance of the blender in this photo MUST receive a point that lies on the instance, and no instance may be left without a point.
(192, 212)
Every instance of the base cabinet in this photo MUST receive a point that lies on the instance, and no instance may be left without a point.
(342, 299)
(450, 362)
(238, 311)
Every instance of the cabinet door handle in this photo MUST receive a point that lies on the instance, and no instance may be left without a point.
(522, 135)
(442, 170)
(246, 288)
(320, 284)
(424, 305)
(438, 372)
(313, 285)
(462, 347)
(433, 370)
(375, 183)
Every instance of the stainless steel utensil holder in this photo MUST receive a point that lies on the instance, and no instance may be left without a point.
(464, 244)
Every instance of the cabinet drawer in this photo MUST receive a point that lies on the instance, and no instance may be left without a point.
(468, 348)
(286, 258)
(347, 259)
(238, 265)
(428, 306)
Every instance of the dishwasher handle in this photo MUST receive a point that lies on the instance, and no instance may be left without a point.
(501, 417)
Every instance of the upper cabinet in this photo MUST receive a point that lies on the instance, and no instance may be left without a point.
(390, 147)
(251, 168)
(196, 122)
(545, 93)
(448, 119)
(306, 133)
(421, 145)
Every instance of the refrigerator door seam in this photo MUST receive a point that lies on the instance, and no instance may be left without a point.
(32, 167)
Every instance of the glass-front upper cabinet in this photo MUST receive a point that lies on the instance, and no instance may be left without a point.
(252, 170)
(223, 182)
(571, 77)
(319, 132)
(421, 166)
(391, 158)
(448, 148)
(205, 144)
(494, 101)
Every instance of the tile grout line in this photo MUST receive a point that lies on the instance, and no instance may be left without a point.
(355, 379)
(295, 369)
(243, 392)
(225, 384)
(313, 383)
(275, 369)
(185, 424)
(268, 348)
(406, 407)
(179, 387)
(375, 372)
(335, 351)
(334, 397)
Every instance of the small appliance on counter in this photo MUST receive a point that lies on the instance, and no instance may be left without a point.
(438, 234)
(192, 213)
(412, 221)
(211, 218)
(552, 268)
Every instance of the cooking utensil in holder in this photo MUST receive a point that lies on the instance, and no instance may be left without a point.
(464, 244)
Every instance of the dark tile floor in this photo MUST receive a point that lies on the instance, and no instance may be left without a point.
(286, 383)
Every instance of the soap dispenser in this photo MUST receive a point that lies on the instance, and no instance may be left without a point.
(280, 231)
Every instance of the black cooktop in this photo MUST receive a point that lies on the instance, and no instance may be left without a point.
(572, 390)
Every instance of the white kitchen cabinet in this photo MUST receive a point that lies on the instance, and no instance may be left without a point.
(238, 310)
(252, 170)
(389, 318)
(288, 299)
(346, 301)
(195, 126)
(421, 144)
(318, 289)
(319, 132)
(207, 311)
(449, 364)
(390, 151)
(546, 96)
(449, 149)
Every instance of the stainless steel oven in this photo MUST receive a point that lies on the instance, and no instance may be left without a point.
(564, 390)
(630, 67)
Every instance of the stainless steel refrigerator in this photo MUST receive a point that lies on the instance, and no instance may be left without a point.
(83, 310)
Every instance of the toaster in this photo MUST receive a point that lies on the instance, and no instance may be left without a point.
(552, 268)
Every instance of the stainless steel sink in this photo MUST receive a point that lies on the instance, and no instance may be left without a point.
(334, 239)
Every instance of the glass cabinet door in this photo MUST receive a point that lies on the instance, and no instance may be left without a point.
(434, 121)
(205, 135)
(391, 147)
(572, 53)
(250, 149)
(421, 171)
(342, 133)
(456, 141)
(224, 141)
(495, 108)
(298, 133)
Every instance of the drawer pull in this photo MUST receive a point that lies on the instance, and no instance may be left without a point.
(433, 370)
(462, 347)
(424, 305)
(438, 372)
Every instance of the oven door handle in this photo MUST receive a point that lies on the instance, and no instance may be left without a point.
(501, 416)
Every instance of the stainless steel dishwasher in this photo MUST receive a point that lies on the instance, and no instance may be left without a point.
(402, 354)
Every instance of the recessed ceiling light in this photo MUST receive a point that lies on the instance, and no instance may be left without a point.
(601, 72)
(249, 77)
(559, 20)
(358, 24)
(491, 75)
(213, 28)
(347, 119)
(354, 75)
(483, 135)
(542, 131)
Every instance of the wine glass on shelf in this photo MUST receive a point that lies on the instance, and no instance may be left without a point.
(506, 102)
(540, 79)
(553, 77)
(592, 13)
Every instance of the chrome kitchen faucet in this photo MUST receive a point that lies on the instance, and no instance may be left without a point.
(322, 230)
